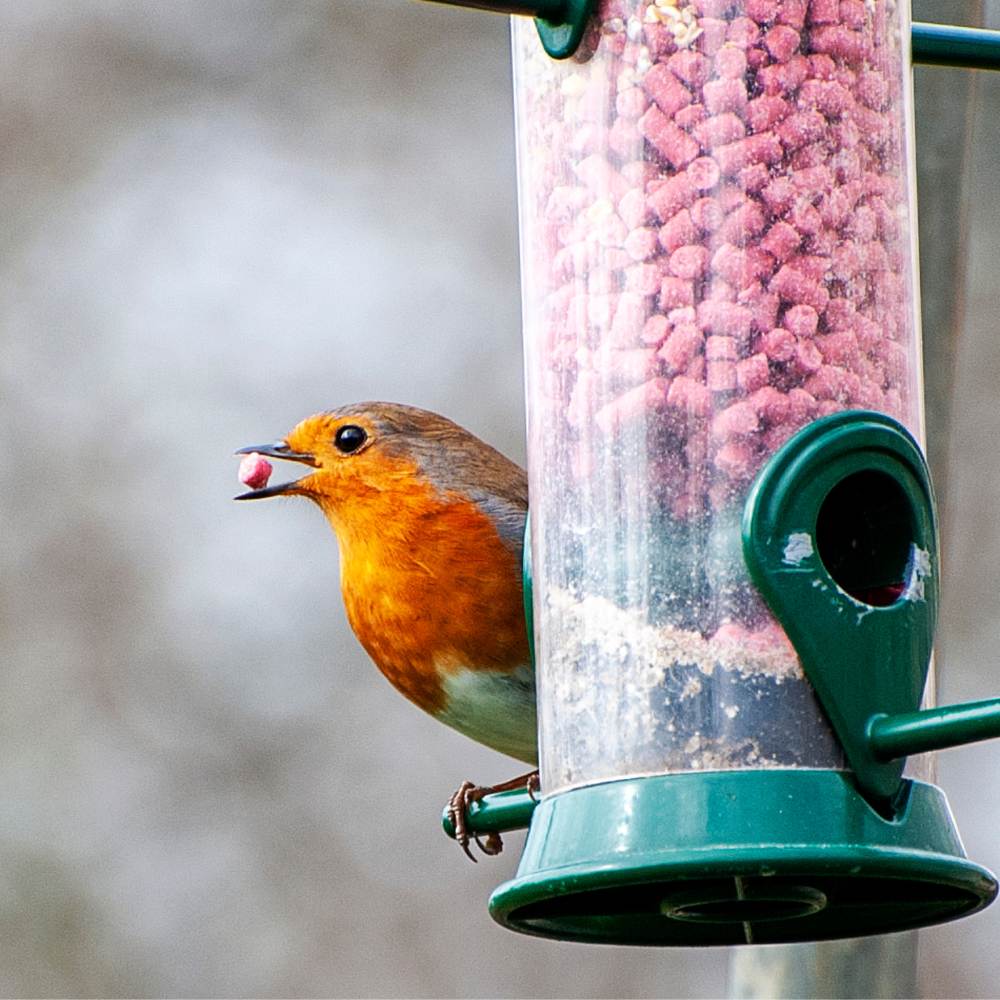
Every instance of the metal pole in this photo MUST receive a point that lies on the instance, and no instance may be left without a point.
(860, 967)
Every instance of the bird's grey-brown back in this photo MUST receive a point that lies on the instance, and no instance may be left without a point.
(454, 460)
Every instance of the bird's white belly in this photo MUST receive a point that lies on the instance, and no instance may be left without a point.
(494, 708)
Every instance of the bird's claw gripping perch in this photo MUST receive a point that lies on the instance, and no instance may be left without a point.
(533, 785)
(468, 793)
(465, 795)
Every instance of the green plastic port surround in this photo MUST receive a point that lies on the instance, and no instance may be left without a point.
(840, 537)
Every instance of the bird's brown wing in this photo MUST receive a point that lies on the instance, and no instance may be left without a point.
(457, 462)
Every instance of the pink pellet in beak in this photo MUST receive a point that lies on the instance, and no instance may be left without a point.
(255, 471)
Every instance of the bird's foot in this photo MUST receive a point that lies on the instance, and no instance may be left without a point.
(533, 785)
(466, 794)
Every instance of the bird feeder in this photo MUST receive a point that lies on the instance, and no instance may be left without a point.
(735, 555)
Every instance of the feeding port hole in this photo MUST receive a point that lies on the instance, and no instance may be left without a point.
(865, 534)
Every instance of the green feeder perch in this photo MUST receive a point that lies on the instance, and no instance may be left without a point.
(734, 579)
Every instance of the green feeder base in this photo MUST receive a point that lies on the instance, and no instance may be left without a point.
(737, 857)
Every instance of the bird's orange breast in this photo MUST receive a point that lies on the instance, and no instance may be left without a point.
(429, 588)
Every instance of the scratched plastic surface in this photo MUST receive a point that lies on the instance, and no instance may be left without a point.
(717, 248)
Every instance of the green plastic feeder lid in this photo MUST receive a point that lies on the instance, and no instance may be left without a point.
(561, 30)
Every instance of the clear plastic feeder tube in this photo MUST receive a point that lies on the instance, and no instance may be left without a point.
(717, 221)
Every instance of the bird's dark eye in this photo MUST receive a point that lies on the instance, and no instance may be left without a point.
(349, 438)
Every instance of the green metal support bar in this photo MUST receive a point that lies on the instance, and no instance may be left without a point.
(893, 736)
(889, 737)
(551, 10)
(950, 45)
(560, 23)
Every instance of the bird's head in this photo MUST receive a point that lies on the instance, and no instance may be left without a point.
(379, 451)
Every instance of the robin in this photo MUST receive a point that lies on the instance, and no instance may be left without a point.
(430, 522)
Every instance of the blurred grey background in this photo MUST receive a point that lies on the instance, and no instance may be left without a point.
(216, 219)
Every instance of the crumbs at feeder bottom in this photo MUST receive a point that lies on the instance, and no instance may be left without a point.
(635, 697)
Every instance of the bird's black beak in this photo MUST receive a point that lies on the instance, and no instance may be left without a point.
(276, 450)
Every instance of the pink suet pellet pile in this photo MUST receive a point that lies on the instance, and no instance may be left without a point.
(722, 225)
(717, 248)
